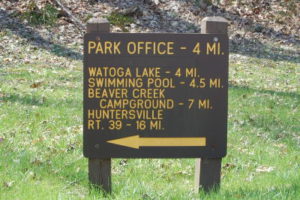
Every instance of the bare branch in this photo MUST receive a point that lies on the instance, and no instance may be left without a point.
(74, 19)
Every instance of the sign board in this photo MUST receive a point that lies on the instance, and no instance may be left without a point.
(155, 95)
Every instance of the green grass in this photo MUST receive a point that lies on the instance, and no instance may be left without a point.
(41, 127)
(120, 20)
(36, 16)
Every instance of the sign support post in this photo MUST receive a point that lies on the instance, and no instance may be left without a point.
(208, 170)
(99, 169)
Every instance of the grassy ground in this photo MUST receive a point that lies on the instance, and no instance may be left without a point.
(41, 134)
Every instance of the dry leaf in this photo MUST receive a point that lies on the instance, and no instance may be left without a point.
(250, 178)
(36, 85)
(280, 145)
(7, 59)
(264, 169)
(8, 184)
(229, 166)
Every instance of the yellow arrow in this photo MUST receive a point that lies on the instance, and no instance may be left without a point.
(136, 141)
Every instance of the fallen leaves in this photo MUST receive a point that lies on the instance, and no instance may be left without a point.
(8, 184)
(7, 59)
(229, 166)
(250, 177)
(264, 169)
(36, 162)
(40, 139)
(259, 169)
(36, 84)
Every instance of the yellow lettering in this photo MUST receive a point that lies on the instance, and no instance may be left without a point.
(159, 48)
(116, 48)
(91, 45)
(108, 47)
(210, 48)
(131, 48)
(99, 48)
(170, 48)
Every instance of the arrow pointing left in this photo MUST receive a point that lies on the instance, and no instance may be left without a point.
(136, 141)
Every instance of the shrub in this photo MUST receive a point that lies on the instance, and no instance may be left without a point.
(44, 16)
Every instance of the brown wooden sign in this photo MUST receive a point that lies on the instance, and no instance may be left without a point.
(155, 95)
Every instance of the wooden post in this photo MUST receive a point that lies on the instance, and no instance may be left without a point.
(99, 169)
(208, 170)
